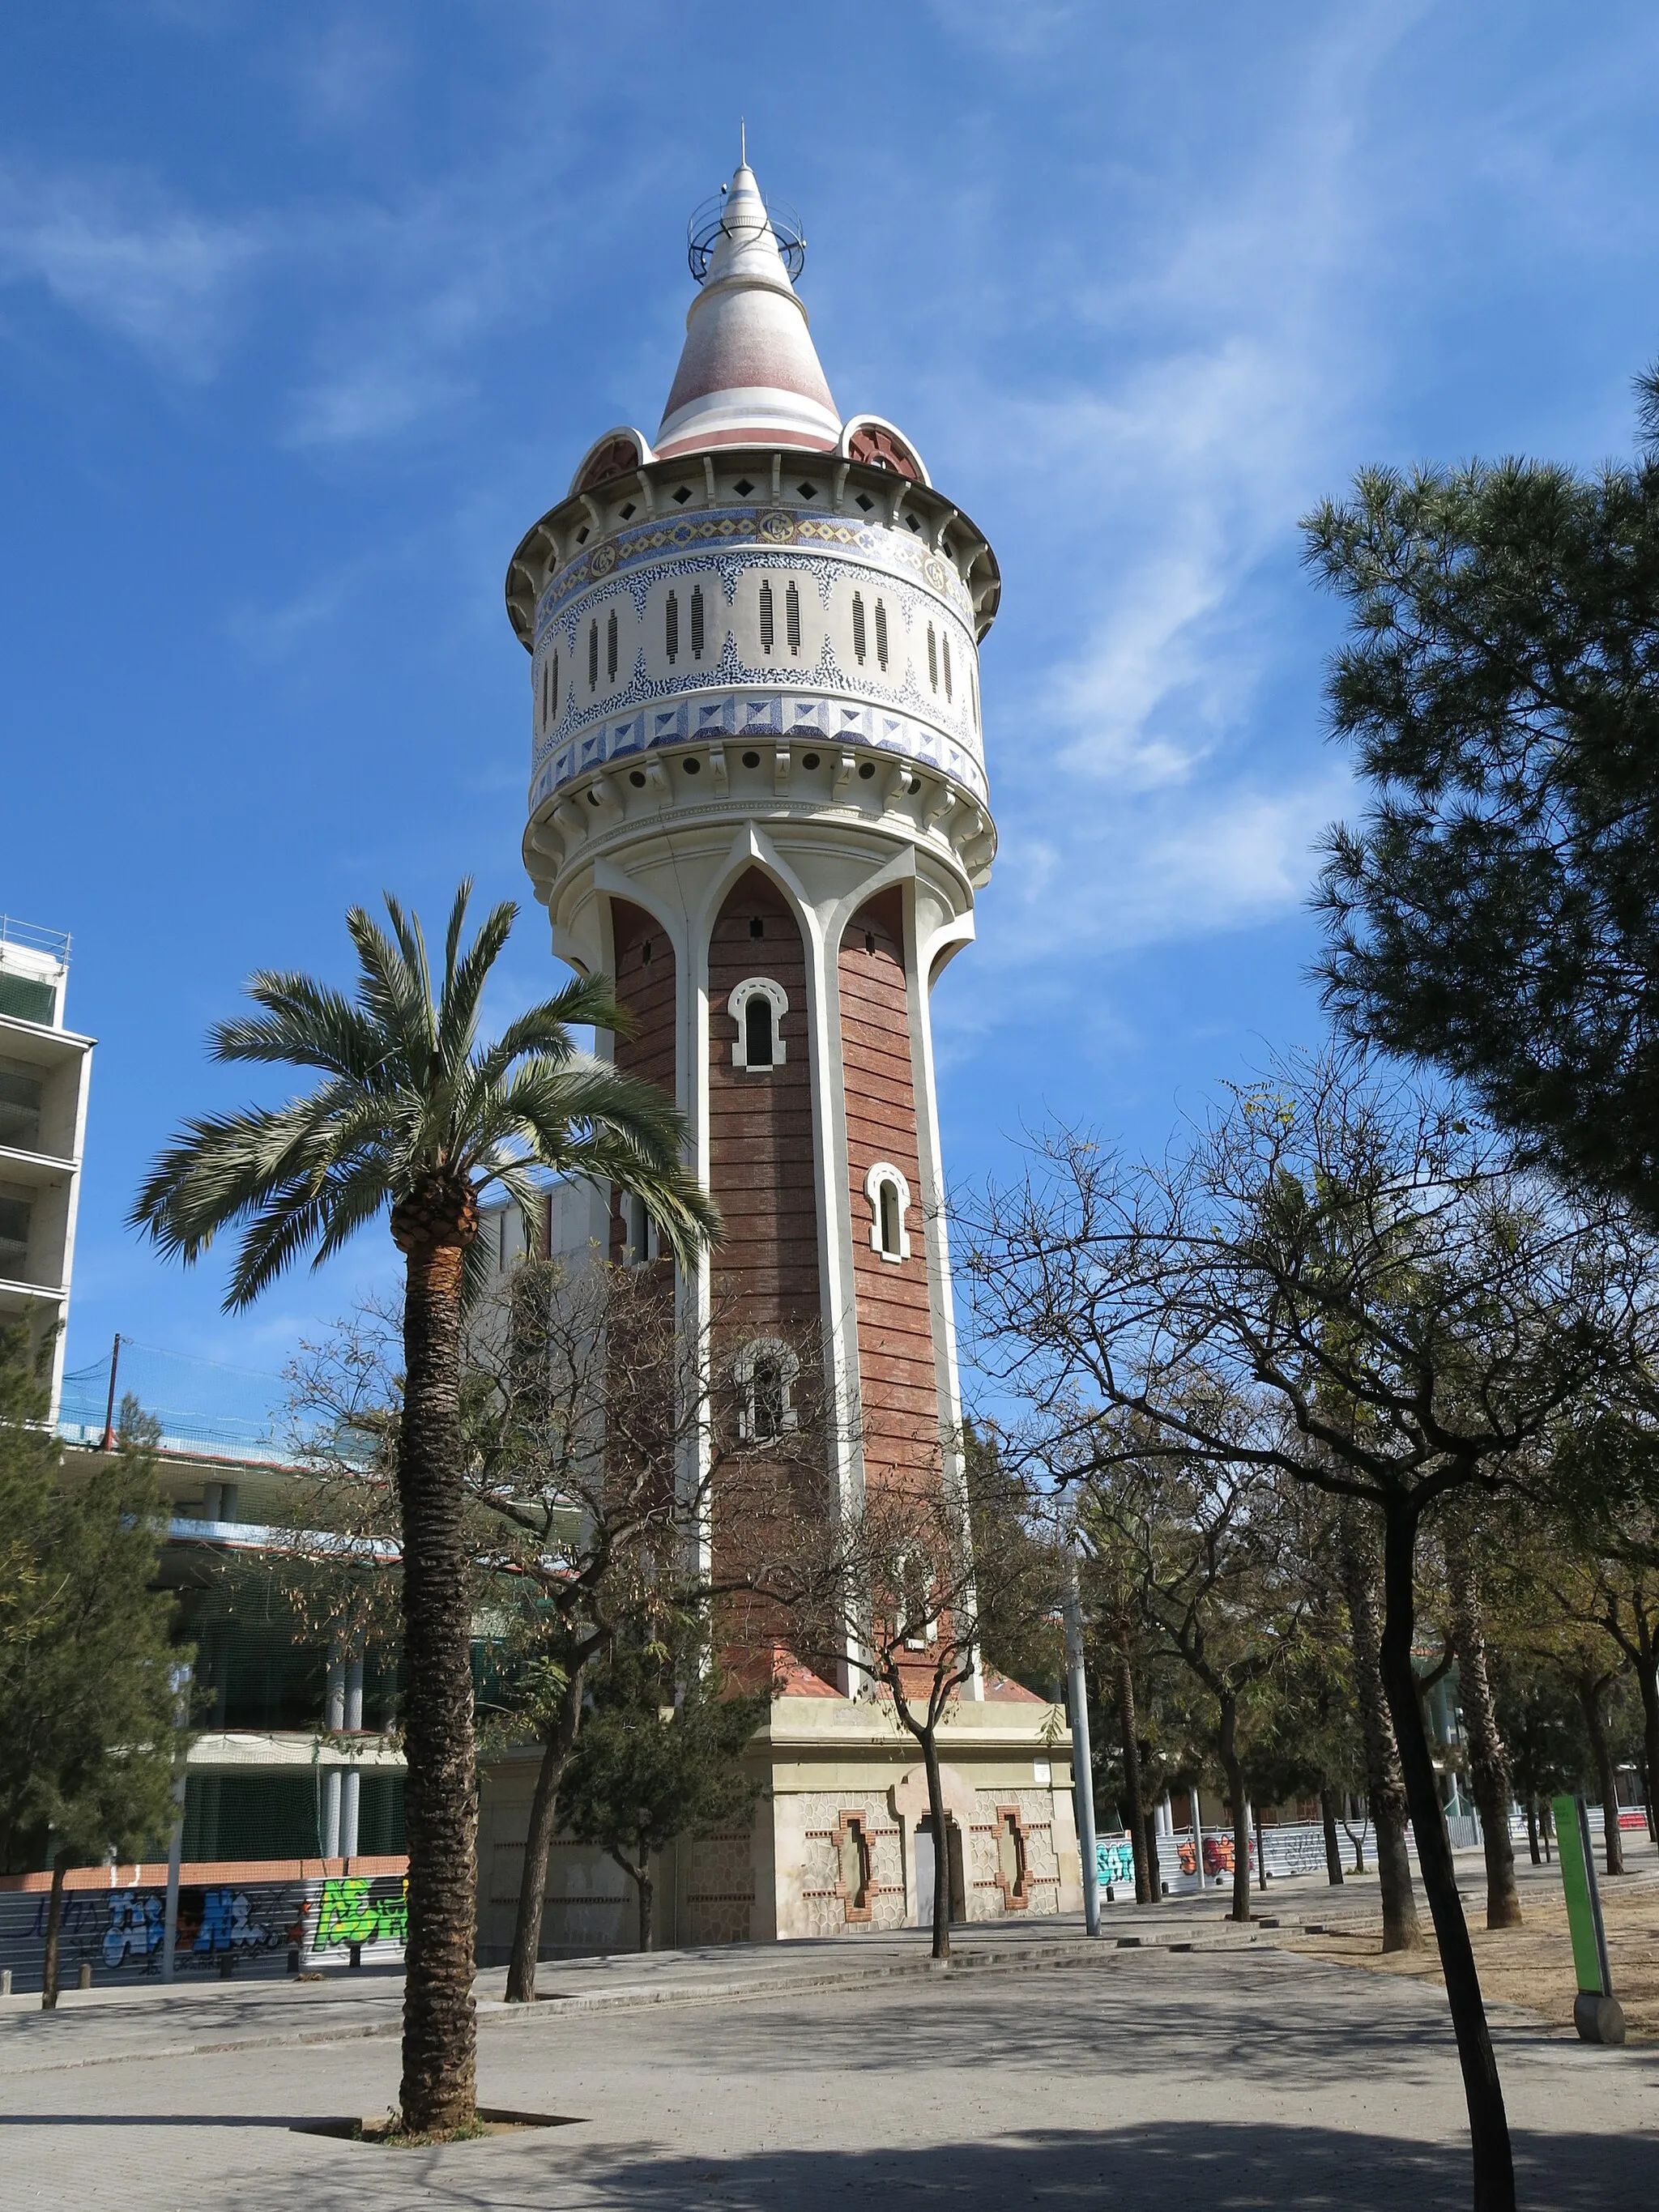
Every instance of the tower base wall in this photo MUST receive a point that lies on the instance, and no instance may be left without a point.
(825, 1763)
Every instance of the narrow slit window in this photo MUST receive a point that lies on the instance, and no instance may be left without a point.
(792, 617)
(933, 658)
(765, 1373)
(610, 646)
(757, 1032)
(766, 623)
(671, 624)
(544, 716)
(696, 621)
(945, 646)
(890, 1221)
(858, 628)
(594, 655)
(554, 707)
(881, 631)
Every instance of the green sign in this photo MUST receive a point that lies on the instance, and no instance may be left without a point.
(1589, 1943)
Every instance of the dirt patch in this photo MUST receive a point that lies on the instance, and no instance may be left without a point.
(1530, 1966)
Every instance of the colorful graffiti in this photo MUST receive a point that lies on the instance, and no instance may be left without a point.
(258, 1926)
(1115, 1861)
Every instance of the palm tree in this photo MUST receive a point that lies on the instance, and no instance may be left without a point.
(412, 1113)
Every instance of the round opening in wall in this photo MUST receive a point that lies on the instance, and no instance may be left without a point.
(636, 776)
(751, 760)
(691, 767)
(867, 769)
(809, 760)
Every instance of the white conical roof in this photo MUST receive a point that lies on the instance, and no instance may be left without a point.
(748, 373)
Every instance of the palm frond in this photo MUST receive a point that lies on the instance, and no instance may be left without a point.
(306, 1025)
(464, 978)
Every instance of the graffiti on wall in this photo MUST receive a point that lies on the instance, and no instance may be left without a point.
(121, 1931)
(1115, 1861)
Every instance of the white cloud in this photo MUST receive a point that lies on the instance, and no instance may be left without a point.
(115, 251)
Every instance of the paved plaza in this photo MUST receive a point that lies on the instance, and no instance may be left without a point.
(1042, 2070)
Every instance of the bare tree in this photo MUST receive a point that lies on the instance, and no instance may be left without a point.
(908, 1591)
(1403, 1312)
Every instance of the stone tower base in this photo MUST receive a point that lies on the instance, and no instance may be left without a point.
(839, 1844)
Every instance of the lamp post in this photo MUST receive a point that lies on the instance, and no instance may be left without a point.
(1083, 1779)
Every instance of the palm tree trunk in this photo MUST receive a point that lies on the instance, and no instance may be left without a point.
(1591, 1688)
(1146, 1877)
(544, 1819)
(54, 1927)
(440, 1792)
(1489, 2131)
(1384, 1784)
(1489, 1766)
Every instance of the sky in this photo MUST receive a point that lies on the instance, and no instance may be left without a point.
(306, 313)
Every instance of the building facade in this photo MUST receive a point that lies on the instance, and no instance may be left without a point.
(44, 1071)
(758, 801)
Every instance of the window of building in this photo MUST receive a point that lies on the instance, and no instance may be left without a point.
(610, 646)
(889, 1194)
(1011, 1858)
(766, 625)
(696, 621)
(858, 628)
(792, 617)
(545, 705)
(853, 1856)
(670, 625)
(765, 1372)
(553, 703)
(944, 643)
(917, 1625)
(594, 655)
(641, 1239)
(758, 1005)
(881, 631)
(14, 1237)
(933, 658)
(20, 1106)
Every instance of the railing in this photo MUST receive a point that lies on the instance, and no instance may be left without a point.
(29, 935)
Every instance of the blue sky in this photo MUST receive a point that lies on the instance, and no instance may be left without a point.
(306, 314)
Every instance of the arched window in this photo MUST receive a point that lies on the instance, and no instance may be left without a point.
(858, 628)
(696, 621)
(765, 1372)
(890, 1201)
(918, 1624)
(641, 1239)
(881, 631)
(671, 623)
(594, 655)
(766, 624)
(758, 1005)
(610, 646)
(933, 658)
(791, 616)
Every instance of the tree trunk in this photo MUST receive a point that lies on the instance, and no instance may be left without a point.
(440, 1792)
(646, 1889)
(1145, 1876)
(1154, 1865)
(941, 1848)
(1262, 1875)
(1333, 1844)
(54, 1926)
(1647, 1680)
(1385, 1788)
(1532, 1830)
(1232, 1767)
(1489, 2133)
(1490, 1780)
(1590, 1688)
(543, 1820)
